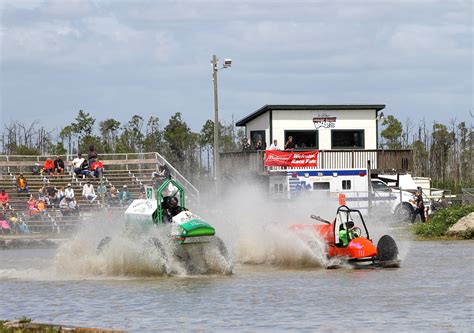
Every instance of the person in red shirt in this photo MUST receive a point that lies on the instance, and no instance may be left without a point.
(97, 168)
(48, 167)
(4, 199)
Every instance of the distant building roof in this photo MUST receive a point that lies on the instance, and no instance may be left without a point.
(266, 108)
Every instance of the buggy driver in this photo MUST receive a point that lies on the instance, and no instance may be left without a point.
(348, 233)
(173, 208)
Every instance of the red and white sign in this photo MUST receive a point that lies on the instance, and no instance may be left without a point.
(291, 159)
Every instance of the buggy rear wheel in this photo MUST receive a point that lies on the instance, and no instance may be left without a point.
(387, 250)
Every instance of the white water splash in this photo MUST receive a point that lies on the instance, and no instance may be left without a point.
(136, 255)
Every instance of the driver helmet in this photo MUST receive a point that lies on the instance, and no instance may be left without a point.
(350, 224)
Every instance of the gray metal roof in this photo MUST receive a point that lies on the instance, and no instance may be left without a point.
(266, 108)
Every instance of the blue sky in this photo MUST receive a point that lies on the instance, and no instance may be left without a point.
(120, 58)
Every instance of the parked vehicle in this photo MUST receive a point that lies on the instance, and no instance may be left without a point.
(359, 191)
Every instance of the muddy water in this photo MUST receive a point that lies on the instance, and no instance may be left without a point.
(433, 290)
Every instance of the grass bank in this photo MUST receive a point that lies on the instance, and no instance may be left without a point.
(439, 223)
(25, 324)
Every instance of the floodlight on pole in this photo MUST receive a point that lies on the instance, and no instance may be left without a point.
(215, 68)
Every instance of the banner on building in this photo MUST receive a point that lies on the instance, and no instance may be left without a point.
(292, 159)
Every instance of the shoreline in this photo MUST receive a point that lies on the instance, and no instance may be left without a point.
(10, 242)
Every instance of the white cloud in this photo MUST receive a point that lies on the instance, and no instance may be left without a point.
(298, 52)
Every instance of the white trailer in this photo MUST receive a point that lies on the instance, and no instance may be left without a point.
(360, 192)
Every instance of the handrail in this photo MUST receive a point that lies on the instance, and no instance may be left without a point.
(178, 175)
(127, 158)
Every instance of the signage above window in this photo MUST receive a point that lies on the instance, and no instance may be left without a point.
(324, 121)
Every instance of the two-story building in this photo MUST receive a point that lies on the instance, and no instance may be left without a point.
(322, 127)
(345, 136)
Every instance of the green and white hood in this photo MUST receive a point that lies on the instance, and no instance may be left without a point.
(187, 225)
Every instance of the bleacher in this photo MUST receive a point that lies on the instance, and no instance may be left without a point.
(118, 171)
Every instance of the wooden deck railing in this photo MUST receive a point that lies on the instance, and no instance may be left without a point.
(381, 160)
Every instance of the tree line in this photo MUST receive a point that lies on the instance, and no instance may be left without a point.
(190, 152)
(443, 152)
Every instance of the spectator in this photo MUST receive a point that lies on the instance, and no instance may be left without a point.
(88, 191)
(77, 164)
(163, 171)
(125, 197)
(245, 144)
(92, 155)
(68, 207)
(60, 194)
(69, 192)
(21, 184)
(84, 169)
(13, 220)
(290, 145)
(63, 206)
(113, 196)
(97, 168)
(43, 196)
(41, 205)
(4, 225)
(51, 194)
(32, 209)
(58, 166)
(4, 199)
(274, 146)
(23, 227)
(48, 167)
(36, 169)
(102, 190)
(259, 145)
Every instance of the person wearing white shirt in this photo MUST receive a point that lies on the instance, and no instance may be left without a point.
(77, 163)
(88, 191)
(69, 192)
(274, 146)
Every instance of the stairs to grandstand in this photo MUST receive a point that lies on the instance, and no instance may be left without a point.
(133, 170)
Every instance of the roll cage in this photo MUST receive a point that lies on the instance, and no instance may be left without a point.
(163, 200)
(343, 215)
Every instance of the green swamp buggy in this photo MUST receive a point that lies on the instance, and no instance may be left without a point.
(186, 233)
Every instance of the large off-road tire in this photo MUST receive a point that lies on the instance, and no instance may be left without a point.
(104, 243)
(387, 249)
(404, 212)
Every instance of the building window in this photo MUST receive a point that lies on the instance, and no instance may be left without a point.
(321, 186)
(303, 139)
(346, 184)
(347, 139)
(256, 136)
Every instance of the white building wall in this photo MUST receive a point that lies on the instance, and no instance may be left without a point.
(303, 120)
(261, 123)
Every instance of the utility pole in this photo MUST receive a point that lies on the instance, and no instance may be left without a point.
(216, 122)
(227, 64)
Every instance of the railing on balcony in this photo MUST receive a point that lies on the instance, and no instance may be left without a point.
(400, 160)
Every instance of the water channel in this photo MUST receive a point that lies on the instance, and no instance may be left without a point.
(432, 290)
